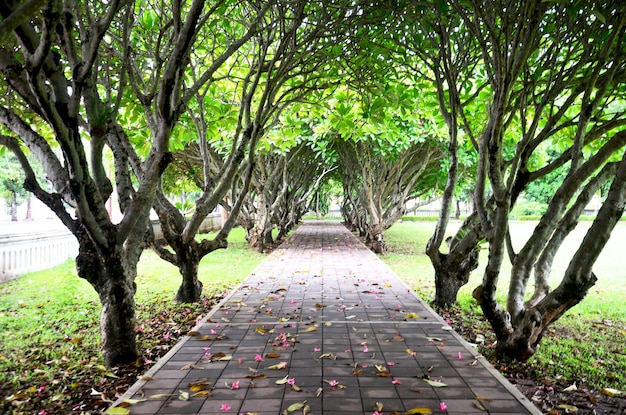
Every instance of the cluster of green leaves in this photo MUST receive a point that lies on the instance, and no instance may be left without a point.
(11, 180)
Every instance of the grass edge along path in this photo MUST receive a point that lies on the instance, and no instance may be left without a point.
(586, 347)
(51, 362)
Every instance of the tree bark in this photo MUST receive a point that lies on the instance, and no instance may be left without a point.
(532, 322)
(112, 276)
(190, 290)
(13, 209)
(451, 273)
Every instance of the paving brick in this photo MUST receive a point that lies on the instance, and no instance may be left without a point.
(332, 311)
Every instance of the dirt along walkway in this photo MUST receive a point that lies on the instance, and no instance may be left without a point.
(323, 326)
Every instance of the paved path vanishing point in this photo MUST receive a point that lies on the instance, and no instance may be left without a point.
(322, 326)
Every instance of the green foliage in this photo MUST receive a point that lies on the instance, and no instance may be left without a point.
(11, 180)
(543, 189)
(524, 208)
(328, 192)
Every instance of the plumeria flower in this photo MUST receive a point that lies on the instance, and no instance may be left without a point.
(291, 381)
(333, 383)
(258, 358)
(235, 384)
(225, 407)
(443, 406)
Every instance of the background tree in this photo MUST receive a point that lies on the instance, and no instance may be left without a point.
(227, 80)
(387, 155)
(11, 184)
(444, 57)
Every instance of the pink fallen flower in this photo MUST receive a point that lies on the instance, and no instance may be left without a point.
(235, 384)
(443, 406)
(291, 381)
(225, 407)
(316, 349)
(460, 356)
(258, 358)
(333, 383)
(396, 382)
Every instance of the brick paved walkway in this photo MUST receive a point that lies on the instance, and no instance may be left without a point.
(340, 326)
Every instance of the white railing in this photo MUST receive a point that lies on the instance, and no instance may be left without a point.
(35, 251)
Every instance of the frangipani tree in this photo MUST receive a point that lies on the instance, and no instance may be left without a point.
(388, 156)
(554, 75)
(70, 65)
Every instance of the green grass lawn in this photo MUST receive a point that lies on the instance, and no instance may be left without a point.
(49, 330)
(587, 345)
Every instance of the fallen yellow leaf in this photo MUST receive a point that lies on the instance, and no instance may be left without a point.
(611, 392)
(117, 411)
(296, 406)
(434, 383)
(281, 365)
(418, 410)
(133, 401)
(309, 329)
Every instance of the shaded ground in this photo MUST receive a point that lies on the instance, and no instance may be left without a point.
(157, 338)
(549, 395)
(85, 386)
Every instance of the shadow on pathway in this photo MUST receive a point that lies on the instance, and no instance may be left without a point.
(324, 326)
